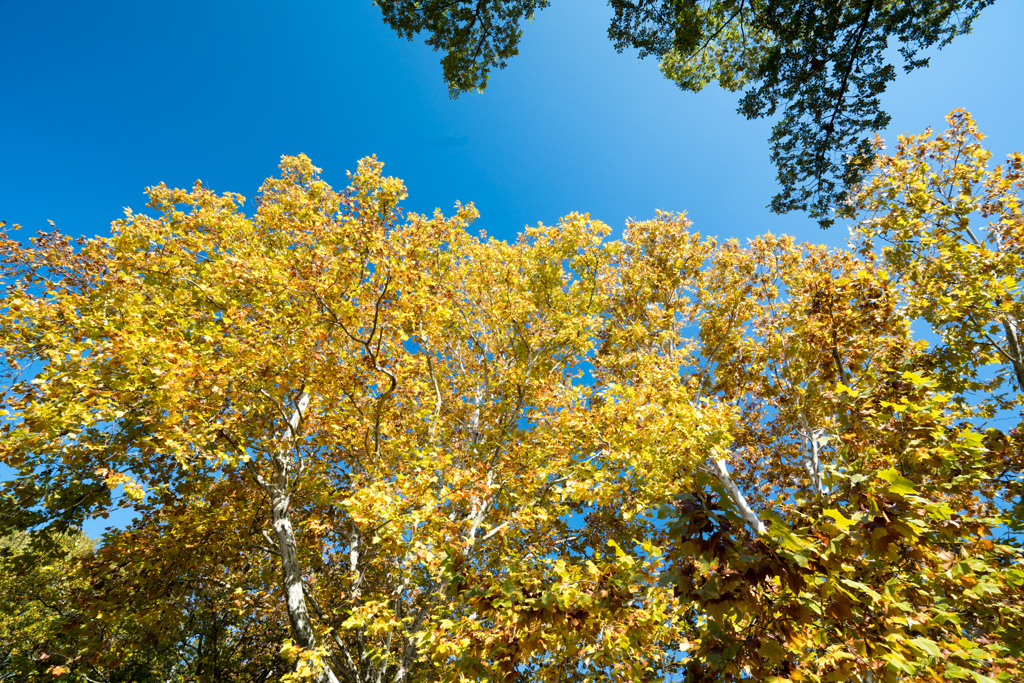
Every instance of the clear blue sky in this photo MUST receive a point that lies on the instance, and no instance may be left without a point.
(101, 99)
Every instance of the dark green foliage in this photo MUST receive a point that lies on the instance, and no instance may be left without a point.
(826, 72)
(474, 35)
(818, 65)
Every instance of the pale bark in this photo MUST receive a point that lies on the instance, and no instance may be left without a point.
(291, 572)
(1013, 341)
(737, 497)
(280, 489)
(291, 575)
(812, 457)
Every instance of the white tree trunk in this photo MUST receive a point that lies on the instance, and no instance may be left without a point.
(737, 497)
(1013, 342)
(812, 457)
(280, 490)
(291, 575)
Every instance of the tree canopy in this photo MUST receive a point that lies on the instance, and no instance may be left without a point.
(819, 66)
(362, 445)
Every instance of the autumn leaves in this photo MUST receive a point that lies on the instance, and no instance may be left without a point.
(413, 454)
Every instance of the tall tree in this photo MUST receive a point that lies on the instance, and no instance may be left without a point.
(820, 65)
(364, 446)
(389, 412)
(950, 228)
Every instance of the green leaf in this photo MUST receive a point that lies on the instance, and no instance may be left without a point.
(861, 587)
(982, 678)
(786, 538)
(925, 645)
(897, 483)
(839, 519)
(954, 671)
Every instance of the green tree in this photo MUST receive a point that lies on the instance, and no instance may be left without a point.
(820, 66)
(34, 597)
(163, 601)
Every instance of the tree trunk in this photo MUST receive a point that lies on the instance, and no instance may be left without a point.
(291, 573)
(747, 512)
(1014, 343)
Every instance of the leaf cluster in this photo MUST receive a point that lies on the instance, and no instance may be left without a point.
(360, 444)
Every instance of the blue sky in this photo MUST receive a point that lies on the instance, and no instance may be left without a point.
(101, 99)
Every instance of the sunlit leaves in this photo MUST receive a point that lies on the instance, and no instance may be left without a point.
(365, 444)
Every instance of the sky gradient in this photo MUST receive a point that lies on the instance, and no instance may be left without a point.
(105, 98)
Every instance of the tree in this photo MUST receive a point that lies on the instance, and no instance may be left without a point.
(822, 63)
(34, 601)
(389, 412)
(131, 611)
(364, 446)
(878, 499)
(951, 230)
(475, 36)
(868, 486)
